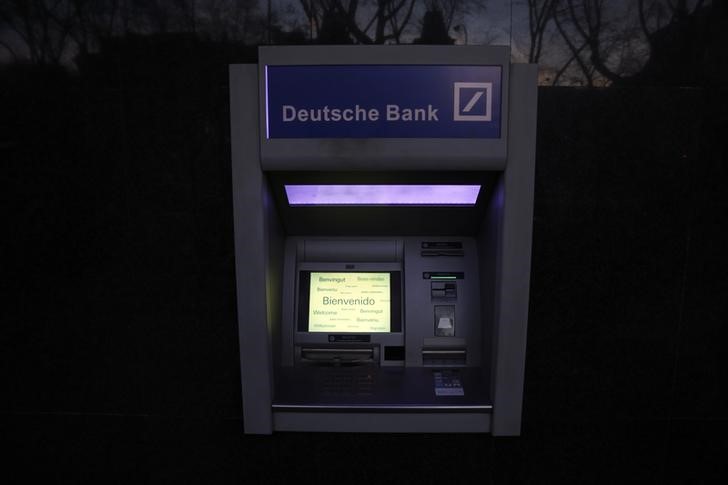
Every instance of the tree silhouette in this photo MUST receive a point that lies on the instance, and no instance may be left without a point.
(603, 43)
(49, 31)
(687, 50)
(381, 21)
(56, 31)
(540, 14)
(334, 29)
(434, 30)
(43, 26)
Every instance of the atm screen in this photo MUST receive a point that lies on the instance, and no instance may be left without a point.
(349, 302)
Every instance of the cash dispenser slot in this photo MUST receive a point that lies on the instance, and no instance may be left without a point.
(339, 356)
(444, 357)
(443, 275)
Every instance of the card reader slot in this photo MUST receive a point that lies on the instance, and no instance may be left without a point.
(442, 252)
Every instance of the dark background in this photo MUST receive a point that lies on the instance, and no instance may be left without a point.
(119, 352)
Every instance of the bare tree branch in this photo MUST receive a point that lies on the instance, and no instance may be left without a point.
(10, 50)
(643, 20)
(591, 34)
(574, 51)
(539, 16)
(567, 64)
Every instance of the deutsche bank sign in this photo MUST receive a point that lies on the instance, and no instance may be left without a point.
(383, 101)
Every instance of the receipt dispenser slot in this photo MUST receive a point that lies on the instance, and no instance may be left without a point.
(444, 320)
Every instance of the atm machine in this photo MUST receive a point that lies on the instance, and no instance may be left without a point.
(383, 202)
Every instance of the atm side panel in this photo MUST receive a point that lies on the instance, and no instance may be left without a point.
(442, 306)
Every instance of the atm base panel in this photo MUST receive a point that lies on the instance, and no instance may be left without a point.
(382, 422)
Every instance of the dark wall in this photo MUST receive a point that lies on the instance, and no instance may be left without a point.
(119, 344)
(626, 333)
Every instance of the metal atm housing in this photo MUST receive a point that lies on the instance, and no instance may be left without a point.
(452, 357)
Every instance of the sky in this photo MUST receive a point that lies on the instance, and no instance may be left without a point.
(501, 22)
(491, 26)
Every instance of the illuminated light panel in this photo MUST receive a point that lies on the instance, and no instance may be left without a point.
(424, 195)
(267, 116)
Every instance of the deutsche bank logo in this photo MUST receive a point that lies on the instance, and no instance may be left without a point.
(473, 101)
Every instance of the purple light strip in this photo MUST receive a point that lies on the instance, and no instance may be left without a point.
(267, 115)
(428, 195)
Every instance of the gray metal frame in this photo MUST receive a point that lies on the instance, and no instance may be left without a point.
(513, 257)
(419, 422)
(504, 244)
(252, 246)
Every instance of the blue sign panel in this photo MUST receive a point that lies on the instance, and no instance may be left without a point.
(383, 101)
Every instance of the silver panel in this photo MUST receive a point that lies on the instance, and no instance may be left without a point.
(420, 308)
(251, 252)
(320, 407)
(383, 422)
(323, 254)
(340, 250)
(515, 255)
